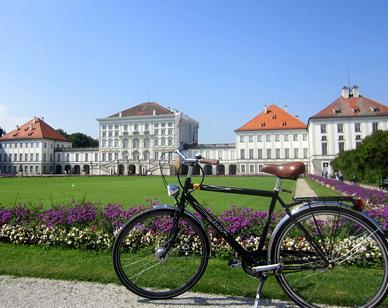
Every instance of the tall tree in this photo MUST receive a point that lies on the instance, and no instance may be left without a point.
(80, 140)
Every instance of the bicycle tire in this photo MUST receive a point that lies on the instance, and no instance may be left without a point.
(354, 269)
(137, 248)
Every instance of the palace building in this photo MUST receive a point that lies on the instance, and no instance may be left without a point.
(132, 141)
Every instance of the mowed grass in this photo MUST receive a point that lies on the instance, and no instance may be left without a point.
(82, 265)
(129, 191)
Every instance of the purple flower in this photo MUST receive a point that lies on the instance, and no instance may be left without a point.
(55, 216)
(85, 213)
(5, 215)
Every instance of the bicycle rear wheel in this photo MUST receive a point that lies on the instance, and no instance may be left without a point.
(347, 265)
(147, 267)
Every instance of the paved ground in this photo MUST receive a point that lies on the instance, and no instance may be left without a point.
(303, 189)
(33, 292)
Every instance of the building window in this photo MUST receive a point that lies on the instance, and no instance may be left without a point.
(243, 168)
(357, 127)
(96, 157)
(285, 137)
(58, 157)
(341, 147)
(340, 128)
(323, 138)
(324, 148)
(250, 138)
(241, 138)
(375, 126)
(76, 157)
(268, 153)
(251, 168)
(340, 137)
(25, 157)
(44, 157)
(250, 153)
(242, 154)
(258, 138)
(268, 138)
(286, 153)
(358, 143)
(323, 128)
(135, 143)
(277, 153)
(169, 142)
(304, 137)
(260, 153)
(156, 143)
(305, 152)
(146, 143)
(170, 131)
(163, 142)
(163, 131)
(295, 137)
(296, 153)
(67, 157)
(220, 155)
(21, 157)
(110, 158)
(277, 137)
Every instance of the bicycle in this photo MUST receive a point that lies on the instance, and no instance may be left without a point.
(321, 245)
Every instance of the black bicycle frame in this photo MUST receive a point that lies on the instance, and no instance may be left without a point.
(217, 225)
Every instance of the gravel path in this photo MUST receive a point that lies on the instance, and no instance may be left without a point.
(34, 292)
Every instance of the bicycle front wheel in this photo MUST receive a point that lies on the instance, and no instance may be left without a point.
(152, 262)
(331, 256)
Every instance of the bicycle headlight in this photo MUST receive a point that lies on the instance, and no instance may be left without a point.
(173, 190)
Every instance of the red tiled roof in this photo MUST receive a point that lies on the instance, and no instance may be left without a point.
(34, 129)
(274, 118)
(352, 107)
(143, 109)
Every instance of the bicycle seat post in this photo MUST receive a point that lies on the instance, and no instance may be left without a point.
(278, 185)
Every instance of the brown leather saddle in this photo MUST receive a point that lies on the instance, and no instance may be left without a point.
(286, 171)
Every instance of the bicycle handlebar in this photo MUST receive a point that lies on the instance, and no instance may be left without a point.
(196, 160)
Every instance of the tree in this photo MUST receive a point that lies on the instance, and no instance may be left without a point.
(369, 162)
(2, 132)
(79, 140)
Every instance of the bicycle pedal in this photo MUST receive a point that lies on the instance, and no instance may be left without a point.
(234, 263)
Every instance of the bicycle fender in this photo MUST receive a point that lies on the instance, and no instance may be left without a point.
(307, 207)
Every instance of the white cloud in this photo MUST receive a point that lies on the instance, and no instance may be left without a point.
(8, 121)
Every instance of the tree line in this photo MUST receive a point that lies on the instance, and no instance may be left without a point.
(79, 140)
(368, 163)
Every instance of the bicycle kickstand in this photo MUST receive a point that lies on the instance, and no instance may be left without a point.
(259, 296)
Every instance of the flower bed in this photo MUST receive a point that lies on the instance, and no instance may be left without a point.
(94, 227)
(89, 226)
(372, 197)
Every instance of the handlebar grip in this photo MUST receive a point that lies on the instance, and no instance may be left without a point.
(209, 161)
(186, 146)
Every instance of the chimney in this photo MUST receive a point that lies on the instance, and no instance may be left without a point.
(17, 127)
(356, 91)
(153, 112)
(34, 120)
(265, 109)
(30, 128)
(345, 92)
(120, 114)
(285, 107)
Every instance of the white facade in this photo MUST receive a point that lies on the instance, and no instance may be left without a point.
(134, 144)
(257, 148)
(29, 156)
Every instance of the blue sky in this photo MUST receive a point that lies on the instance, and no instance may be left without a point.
(218, 61)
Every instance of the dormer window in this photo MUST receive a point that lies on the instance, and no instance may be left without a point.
(336, 110)
(274, 117)
(355, 110)
(374, 108)
(284, 123)
(262, 124)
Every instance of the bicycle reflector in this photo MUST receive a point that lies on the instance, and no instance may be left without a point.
(359, 204)
(173, 190)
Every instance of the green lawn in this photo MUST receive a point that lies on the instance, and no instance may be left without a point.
(128, 191)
